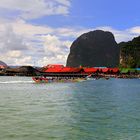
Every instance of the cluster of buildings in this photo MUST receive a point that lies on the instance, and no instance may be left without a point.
(60, 70)
(56, 70)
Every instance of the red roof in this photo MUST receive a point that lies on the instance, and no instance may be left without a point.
(68, 69)
(64, 69)
(115, 70)
(105, 69)
(53, 70)
(76, 69)
(2, 67)
(90, 70)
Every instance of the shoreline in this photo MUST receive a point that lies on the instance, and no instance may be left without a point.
(96, 75)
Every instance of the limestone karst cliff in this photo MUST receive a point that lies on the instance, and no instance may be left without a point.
(94, 49)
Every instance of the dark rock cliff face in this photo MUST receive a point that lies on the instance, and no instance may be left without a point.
(94, 49)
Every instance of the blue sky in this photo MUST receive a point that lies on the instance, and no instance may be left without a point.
(41, 31)
(120, 14)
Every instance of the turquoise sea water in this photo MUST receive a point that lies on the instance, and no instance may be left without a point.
(89, 110)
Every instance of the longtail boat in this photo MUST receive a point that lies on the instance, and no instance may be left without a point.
(57, 80)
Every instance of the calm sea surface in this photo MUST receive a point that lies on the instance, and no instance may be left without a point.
(89, 110)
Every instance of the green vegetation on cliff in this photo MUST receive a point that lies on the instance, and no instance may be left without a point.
(130, 53)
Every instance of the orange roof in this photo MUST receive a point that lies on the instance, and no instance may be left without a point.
(90, 70)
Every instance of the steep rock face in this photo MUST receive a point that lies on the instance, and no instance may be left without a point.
(94, 49)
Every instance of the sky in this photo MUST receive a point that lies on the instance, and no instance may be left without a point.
(40, 32)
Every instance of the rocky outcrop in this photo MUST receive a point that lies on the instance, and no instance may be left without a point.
(3, 64)
(94, 49)
(21, 71)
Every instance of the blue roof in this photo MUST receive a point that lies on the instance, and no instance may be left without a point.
(137, 68)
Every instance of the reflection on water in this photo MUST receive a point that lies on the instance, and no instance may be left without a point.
(99, 109)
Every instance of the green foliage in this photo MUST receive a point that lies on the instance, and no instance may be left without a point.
(130, 53)
(130, 62)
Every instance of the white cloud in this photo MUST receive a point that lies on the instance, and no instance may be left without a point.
(16, 58)
(31, 9)
(29, 30)
(59, 59)
(55, 49)
(26, 60)
(14, 54)
(135, 30)
(35, 42)
(121, 35)
(54, 44)
(9, 40)
(64, 2)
